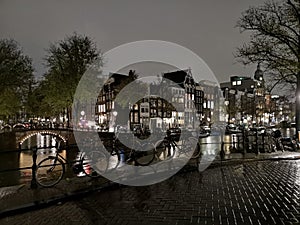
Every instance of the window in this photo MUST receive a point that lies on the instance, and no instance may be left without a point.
(144, 110)
(239, 82)
(234, 83)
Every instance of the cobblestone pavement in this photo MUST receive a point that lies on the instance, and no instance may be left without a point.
(257, 192)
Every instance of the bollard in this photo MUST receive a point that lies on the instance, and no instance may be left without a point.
(263, 142)
(122, 157)
(243, 140)
(222, 152)
(33, 184)
(256, 144)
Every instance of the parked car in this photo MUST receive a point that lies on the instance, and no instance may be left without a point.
(259, 130)
(232, 129)
(204, 131)
(174, 133)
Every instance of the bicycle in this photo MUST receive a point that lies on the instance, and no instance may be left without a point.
(51, 170)
(139, 154)
(170, 145)
(279, 143)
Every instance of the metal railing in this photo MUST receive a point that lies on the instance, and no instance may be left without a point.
(33, 167)
(242, 143)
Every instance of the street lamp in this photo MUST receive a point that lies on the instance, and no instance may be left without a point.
(114, 113)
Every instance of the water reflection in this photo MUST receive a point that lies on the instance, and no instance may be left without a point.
(288, 132)
(25, 161)
(14, 160)
(39, 140)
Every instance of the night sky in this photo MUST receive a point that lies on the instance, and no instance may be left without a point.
(206, 27)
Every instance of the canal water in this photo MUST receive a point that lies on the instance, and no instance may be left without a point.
(15, 164)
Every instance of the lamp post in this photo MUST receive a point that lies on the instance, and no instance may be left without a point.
(114, 113)
(227, 109)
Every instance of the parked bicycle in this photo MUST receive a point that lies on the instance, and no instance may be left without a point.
(166, 148)
(51, 170)
(135, 152)
(279, 143)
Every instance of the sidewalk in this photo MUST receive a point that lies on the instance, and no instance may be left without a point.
(21, 198)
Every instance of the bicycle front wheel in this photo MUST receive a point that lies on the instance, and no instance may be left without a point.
(164, 150)
(145, 155)
(94, 163)
(191, 147)
(49, 172)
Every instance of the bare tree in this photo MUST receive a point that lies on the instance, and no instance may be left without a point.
(274, 42)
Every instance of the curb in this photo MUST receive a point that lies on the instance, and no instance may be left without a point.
(55, 200)
(109, 184)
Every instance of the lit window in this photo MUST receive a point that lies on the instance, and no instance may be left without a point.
(234, 83)
(239, 82)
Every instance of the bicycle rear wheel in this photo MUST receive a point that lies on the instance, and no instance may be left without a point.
(49, 171)
(191, 147)
(164, 150)
(94, 163)
(145, 155)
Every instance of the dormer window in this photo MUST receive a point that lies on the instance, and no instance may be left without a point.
(236, 82)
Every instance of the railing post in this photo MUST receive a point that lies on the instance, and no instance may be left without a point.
(222, 152)
(33, 179)
(256, 139)
(263, 141)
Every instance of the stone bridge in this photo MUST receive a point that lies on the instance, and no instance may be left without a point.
(64, 135)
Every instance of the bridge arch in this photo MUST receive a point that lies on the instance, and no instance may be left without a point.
(6, 126)
(31, 133)
(18, 125)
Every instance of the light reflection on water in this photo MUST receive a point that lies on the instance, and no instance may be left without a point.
(288, 132)
(13, 160)
(210, 146)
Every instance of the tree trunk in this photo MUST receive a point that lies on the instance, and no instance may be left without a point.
(298, 105)
(68, 117)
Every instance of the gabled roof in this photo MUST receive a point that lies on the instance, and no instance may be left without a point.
(178, 77)
(117, 78)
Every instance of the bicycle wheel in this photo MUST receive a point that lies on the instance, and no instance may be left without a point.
(191, 145)
(145, 154)
(164, 150)
(94, 163)
(113, 159)
(49, 171)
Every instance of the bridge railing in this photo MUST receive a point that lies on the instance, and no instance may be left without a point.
(33, 166)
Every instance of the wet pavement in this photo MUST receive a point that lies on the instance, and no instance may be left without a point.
(249, 189)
